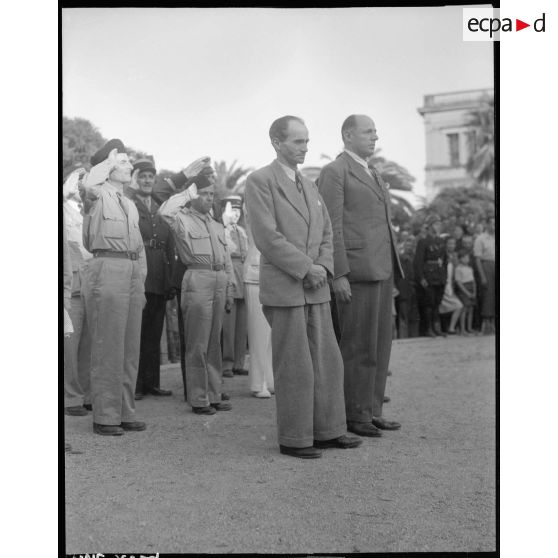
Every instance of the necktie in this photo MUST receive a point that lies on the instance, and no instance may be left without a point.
(298, 183)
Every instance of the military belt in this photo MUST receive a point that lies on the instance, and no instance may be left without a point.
(210, 267)
(114, 254)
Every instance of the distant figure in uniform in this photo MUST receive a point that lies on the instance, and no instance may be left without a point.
(485, 259)
(430, 265)
(234, 322)
(292, 231)
(113, 290)
(206, 291)
(365, 263)
(77, 348)
(159, 252)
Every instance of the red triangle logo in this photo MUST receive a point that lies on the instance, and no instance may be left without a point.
(519, 25)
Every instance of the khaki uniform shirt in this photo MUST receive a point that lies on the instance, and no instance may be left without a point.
(194, 232)
(112, 223)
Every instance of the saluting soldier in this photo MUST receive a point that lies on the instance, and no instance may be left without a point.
(430, 265)
(113, 290)
(234, 322)
(206, 290)
(159, 252)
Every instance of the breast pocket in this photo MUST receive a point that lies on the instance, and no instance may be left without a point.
(201, 244)
(114, 225)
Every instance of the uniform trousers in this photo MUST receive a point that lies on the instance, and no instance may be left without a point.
(77, 358)
(203, 306)
(114, 300)
(365, 324)
(308, 374)
(180, 317)
(260, 374)
(152, 321)
(235, 336)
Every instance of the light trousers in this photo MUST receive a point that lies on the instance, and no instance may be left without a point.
(259, 341)
(114, 300)
(77, 357)
(308, 373)
(203, 299)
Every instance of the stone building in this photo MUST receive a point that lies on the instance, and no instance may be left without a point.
(450, 137)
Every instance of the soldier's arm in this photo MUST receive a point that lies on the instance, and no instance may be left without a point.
(170, 209)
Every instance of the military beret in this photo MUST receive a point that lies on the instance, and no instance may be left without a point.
(104, 152)
(235, 201)
(144, 165)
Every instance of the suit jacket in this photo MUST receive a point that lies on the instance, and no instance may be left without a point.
(291, 235)
(364, 241)
(159, 247)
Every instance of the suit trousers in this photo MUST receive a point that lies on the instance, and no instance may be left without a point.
(203, 306)
(308, 374)
(77, 358)
(152, 322)
(114, 300)
(259, 339)
(366, 333)
(234, 336)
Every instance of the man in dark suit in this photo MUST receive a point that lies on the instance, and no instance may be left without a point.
(159, 252)
(292, 231)
(365, 252)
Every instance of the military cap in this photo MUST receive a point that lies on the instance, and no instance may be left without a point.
(202, 182)
(104, 152)
(235, 201)
(145, 165)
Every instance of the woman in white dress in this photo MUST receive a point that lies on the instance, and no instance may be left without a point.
(259, 332)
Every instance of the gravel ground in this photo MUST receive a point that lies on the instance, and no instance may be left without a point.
(218, 484)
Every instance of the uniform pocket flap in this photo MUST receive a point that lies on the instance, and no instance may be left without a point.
(197, 235)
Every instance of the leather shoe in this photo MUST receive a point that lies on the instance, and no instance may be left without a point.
(363, 429)
(159, 391)
(343, 442)
(77, 411)
(387, 399)
(228, 374)
(303, 453)
(384, 424)
(225, 396)
(221, 406)
(138, 396)
(133, 425)
(240, 371)
(108, 429)
(204, 410)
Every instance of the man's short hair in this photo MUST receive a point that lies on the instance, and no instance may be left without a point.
(349, 123)
(279, 127)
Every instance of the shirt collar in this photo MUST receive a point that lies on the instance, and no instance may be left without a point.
(358, 159)
(288, 171)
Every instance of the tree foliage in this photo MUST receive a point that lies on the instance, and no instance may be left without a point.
(481, 163)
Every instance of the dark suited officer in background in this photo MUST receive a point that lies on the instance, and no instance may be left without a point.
(159, 254)
(365, 256)
(292, 231)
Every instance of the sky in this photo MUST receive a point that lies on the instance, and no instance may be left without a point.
(180, 83)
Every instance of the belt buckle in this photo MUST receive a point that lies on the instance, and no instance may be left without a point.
(133, 255)
(218, 267)
(152, 243)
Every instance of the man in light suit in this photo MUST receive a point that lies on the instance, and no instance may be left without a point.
(292, 231)
(365, 256)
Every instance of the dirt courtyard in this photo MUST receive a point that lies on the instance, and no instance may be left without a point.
(218, 484)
